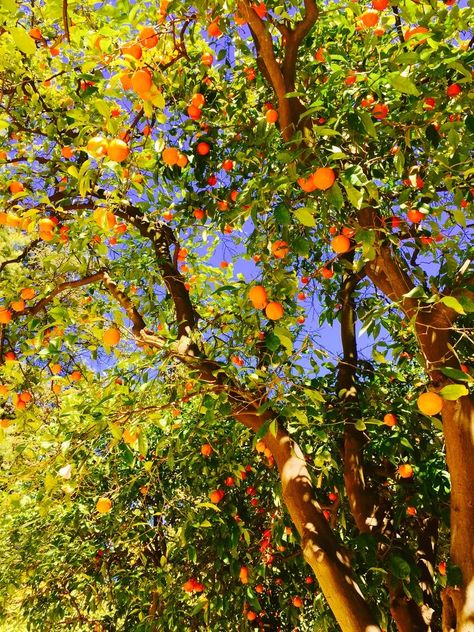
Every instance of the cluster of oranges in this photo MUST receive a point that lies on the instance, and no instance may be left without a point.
(116, 149)
(322, 179)
(259, 299)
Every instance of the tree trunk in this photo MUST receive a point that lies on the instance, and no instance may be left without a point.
(458, 424)
(328, 560)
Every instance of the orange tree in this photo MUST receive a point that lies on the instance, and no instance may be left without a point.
(323, 151)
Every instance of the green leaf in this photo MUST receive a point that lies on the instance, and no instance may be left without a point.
(22, 40)
(451, 392)
(272, 342)
(334, 196)
(305, 216)
(360, 425)
(282, 215)
(416, 292)
(368, 124)
(354, 196)
(453, 304)
(314, 395)
(399, 567)
(402, 84)
(456, 374)
(285, 338)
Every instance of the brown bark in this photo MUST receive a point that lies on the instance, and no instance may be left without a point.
(328, 560)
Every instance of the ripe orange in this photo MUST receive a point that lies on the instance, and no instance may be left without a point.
(442, 568)
(207, 59)
(319, 55)
(405, 470)
(213, 29)
(46, 225)
(280, 249)
(5, 423)
(27, 293)
(55, 368)
(323, 178)
(390, 420)
(453, 90)
(118, 150)
(194, 112)
(415, 31)
(244, 575)
(198, 100)
(203, 149)
(380, 5)
(148, 37)
(216, 496)
(258, 296)
(380, 111)
(327, 273)
(76, 376)
(111, 337)
(415, 216)
(259, 588)
(18, 306)
(97, 146)
(251, 616)
(103, 505)
(35, 33)
(133, 49)
(16, 187)
(182, 160)
(206, 449)
(341, 244)
(67, 152)
(297, 601)
(5, 315)
(430, 403)
(141, 81)
(274, 310)
(126, 81)
(170, 155)
(369, 18)
(307, 184)
(271, 116)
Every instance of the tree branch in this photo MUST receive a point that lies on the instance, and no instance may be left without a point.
(21, 256)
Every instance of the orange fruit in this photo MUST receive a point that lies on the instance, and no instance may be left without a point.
(390, 420)
(5, 315)
(323, 178)
(206, 449)
(251, 616)
(118, 150)
(216, 496)
(369, 18)
(141, 81)
(271, 116)
(76, 376)
(133, 49)
(203, 149)
(244, 575)
(307, 184)
(297, 601)
(5, 423)
(111, 337)
(97, 146)
(380, 111)
(26, 397)
(194, 112)
(327, 273)
(453, 90)
(182, 160)
(198, 100)
(430, 403)
(340, 244)
(104, 218)
(170, 155)
(35, 33)
(27, 293)
(415, 216)
(405, 470)
(207, 59)
(103, 505)
(16, 187)
(126, 81)
(46, 225)
(55, 368)
(148, 37)
(258, 296)
(415, 31)
(274, 310)
(213, 29)
(67, 152)
(280, 249)
(18, 306)
(379, 5)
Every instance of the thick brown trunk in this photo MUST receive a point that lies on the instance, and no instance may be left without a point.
(328, 560)
(458, 424)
